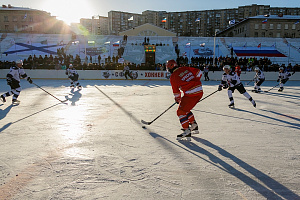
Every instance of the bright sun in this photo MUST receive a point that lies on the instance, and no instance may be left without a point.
(68, 10)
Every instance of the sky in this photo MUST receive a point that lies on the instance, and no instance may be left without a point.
(72, 10)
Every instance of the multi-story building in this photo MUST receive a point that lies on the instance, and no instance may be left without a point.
(280, 26)
(98, 25)
(193, 23)
(27, 20)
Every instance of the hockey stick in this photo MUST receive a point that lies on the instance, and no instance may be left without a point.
(272, 88)
(148, 123)
(249, 82)
(49, 93)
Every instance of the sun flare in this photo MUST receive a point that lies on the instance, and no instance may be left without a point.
(68, 10)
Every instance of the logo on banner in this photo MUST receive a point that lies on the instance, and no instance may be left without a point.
(106, 74)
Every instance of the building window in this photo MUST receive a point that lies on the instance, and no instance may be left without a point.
(255, 34)
(5, 18)
(278, 35)
(263, 26)
(271, 26)
(263, 34)
(6, 27)
(15, 19)
(256, 26)
(294, 26)
(278, 26)
(286, 26)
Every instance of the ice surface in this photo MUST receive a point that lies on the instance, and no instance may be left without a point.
(95, 147)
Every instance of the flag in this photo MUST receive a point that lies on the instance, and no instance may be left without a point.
(116, 44)
(197, 20)
(265, 21)
(107, 42)
(188, 45)
(297, 22)
(202, 45)
(131, 18)
(164, 20)
(259, 45)
(25, 16)
(245, 45)
(44, 42)
(231, 22)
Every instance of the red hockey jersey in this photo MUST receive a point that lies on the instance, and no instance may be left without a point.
(186, 79)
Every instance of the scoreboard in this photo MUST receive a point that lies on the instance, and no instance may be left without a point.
(150, 48)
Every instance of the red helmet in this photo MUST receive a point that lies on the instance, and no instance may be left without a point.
(171, 65)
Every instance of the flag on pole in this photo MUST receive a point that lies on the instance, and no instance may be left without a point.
(164, 20)
(116, 44)
(259, 45)
(198, 19)
(297, 22)
(131, 18)
(264, 21)
(25, 16)
(231, 22)
(188, 45)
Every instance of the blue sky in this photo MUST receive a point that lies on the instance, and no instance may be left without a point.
(73, 10)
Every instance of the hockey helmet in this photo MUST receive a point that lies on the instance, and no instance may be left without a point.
(256, 69)
(227, 67)
(281, 68)
(171, 65)
(19, 62)
(70, 65)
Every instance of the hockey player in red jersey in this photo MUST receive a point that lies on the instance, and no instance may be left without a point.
(186, 80)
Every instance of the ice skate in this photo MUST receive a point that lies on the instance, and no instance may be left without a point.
(72, 86)
(194, 128)
(3, 99)
(15, 101)
(280, 89)
(186, 134)
(231, 105)
(79, 87)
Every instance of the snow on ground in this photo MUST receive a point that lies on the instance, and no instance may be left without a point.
(94, 147)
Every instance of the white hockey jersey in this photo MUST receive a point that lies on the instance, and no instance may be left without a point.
(259, 75)
(232, 79)
(284, 75)
(71, 72)
(16, 73)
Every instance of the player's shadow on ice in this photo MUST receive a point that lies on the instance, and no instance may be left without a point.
(4, 112)
(291, 125)
(271, 188)
(10, 123)
(283, 95)
(75, 96)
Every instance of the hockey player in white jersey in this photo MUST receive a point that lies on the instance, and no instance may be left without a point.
(13, 80)
(259, 79)
(231, 81)
(73, 76)
(283, 77)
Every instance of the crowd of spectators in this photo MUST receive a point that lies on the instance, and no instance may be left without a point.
(61, 61)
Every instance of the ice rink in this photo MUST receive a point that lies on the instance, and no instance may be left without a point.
(94, 146)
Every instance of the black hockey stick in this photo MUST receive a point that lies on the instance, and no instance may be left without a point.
(249, 82)
(50, 94)
(272, 88)
(148, 123)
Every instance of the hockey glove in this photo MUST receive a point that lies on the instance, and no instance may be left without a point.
(220, 87)
(278, 80)
(29, 80)
(177, 100)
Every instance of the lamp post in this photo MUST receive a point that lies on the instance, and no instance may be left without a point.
(214, 47)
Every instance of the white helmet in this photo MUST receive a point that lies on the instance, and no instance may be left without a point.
(70, 65)
(281, 68)
(19, 62)
(256, 69)
(227, 67)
